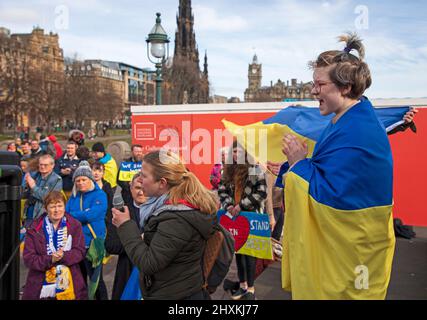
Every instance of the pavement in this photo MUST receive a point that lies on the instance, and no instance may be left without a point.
(408, 278)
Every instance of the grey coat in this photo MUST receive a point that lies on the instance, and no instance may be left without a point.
(43, 187)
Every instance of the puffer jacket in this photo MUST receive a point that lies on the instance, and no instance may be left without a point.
(93, 211)
(170, 256)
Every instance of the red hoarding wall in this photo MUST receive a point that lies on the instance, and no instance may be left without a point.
(410, 172)
(194, 136)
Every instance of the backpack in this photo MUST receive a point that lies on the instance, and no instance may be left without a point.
(217, 258)
(403, 231)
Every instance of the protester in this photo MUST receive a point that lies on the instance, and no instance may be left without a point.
(339, 203)
(88, 204)
(169, 253)
(66, 165)
(77, 136)
(113, 244)
(26, 150)
(98, 171)
(57, 146)
(99, 154)
(18, 143)
(36, 150)
(128, 169)
(83, 153)
(243, 188)
(11, 147)
(54, 247)
(217, 170)
(44, 182)
(44, 144)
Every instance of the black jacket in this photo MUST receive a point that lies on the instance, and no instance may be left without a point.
(113, 245)
(63, 163)
(106, 187)
(169, 257)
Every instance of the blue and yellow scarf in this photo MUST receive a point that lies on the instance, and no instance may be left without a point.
(58, 282)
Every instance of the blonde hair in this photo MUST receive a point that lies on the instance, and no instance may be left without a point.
(182, 183)
(348, 69)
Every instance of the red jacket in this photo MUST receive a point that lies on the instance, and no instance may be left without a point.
(57, 146)
(38, 261)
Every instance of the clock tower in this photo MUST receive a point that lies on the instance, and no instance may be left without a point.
(254, 74)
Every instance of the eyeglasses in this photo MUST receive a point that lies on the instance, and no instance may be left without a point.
(318, 86)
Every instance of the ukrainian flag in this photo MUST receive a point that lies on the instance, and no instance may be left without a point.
(263, 140)
(338, 234)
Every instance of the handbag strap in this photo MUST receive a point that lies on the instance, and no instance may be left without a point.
(88, 225)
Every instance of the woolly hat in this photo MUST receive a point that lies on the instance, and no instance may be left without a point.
(98, 147)
(83, 170)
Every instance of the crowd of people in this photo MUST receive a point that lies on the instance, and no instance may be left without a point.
(71, 220)
(66, 210)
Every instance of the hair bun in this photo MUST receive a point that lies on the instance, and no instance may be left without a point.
(353, 42)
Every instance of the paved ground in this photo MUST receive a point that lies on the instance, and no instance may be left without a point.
(408, 279)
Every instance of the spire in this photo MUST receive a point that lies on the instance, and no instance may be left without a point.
(185, 38)
(205, 65)
(255, 59)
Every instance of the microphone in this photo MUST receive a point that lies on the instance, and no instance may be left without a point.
(118, 202)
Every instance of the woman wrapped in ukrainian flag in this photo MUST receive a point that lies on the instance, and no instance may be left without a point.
(338, 235)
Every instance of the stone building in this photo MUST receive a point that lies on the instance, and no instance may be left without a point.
(30, 65)
(132, 84)
(275, 92)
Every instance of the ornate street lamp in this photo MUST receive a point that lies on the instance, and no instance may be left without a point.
(157, 42)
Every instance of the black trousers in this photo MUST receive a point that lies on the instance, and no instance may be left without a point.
(279, 216)
(246, 267)
(87, 271)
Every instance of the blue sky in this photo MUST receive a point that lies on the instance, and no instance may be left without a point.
(285, 34)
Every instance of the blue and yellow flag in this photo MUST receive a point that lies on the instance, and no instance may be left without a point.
(263, 140)
(338, 234)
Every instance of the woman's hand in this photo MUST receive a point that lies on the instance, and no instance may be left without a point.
(236, 210)
(294, 149)
(120, 217)
(57, 256)
(272, 221)
(274, 167)
(409, 116)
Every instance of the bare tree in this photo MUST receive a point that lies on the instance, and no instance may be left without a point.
(184, 78)
(88, 96)
(16, 74)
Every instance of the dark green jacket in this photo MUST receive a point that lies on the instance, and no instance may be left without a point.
(170, 256)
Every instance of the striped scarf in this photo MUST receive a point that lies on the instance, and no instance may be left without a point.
(58, 282)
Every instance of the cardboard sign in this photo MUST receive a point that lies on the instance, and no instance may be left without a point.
(251, 232)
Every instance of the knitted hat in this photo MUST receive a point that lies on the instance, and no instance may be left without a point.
(83, 170)
(98, 147)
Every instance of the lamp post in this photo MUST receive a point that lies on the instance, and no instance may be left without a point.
(156, 42)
